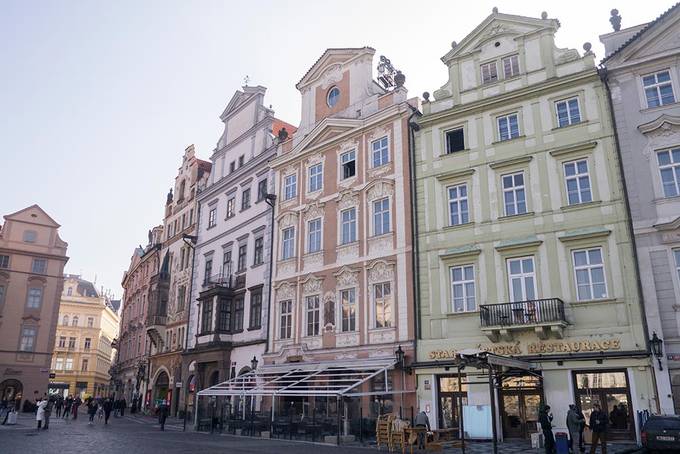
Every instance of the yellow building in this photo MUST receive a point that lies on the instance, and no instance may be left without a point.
(88, 323)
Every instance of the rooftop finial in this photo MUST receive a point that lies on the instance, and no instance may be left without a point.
(426, 96)
(453, 44)
(246, 80)
(587, 46)
(615, 20)
(495, 10)
(544, 15)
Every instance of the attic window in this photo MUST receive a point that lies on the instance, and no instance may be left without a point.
(489, 72)
(455, 140)
(30, 236)
(333, 97)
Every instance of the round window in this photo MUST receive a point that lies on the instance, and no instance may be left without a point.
(333, 96)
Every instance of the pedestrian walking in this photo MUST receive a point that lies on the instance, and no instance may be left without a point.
(91, 410)
(422, 422)
(77, 402)
(574, 423)
(107, 406)
(59, 405)
(48, 411)
(123, 405)
(545, 418)
(68, 403)
(163, 413)
(598, 425)
(40, 411)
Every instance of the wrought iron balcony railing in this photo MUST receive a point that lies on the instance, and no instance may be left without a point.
(156, 320)
(218, 280)
(523, 313)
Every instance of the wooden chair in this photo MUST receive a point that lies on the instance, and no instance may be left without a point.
(383, 427)
(398, 434)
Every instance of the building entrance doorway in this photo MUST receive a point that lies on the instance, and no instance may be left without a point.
(161, 389)
(449, 393)
(520, 398)
(12, 390)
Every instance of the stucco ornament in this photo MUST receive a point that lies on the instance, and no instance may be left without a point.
(314, 159)
(313, 211)
(662, 132)
(381, 189)
(285, 291)
(347, 145)
(380, 272)
(312, 286)
(347, 278)
(332, 75)
(348, 199)
(288, 220)
(378, 133)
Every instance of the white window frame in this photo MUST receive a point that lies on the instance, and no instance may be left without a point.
(381, 152)
(59, 364)
(657, 87)
(673, 166)
(212, 217)
(351, 226)
(382, 220)
(351, 156)
(290, 186)
(514, 66)
(29, 335)
(288, 243)
(68, 364)
(676, 256)
(523, 276)
(514, 190)
(315, 313)
(383, 306)
(34, 301)
(352, 306)
(588, 268)
(571, 118)
(578, 177)
(285, 319)
(467, 286)
(39, 266)
(314, 237)
(491, 77)
(507, 118)
(315, 177)
(463, 216)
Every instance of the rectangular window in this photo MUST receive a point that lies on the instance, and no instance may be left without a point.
(238, 314)
(206, 316)
(226, 264)
(568, 112)
(348, 162)
(232, 166)
(4, 261)
(90, 322)
(2, 296)
(514, 196)
(315, 182)
(71, 342)
(69, 364)
(382, 297)
(508, 127)
(489, 72)
(231, 207)
(510, 66)
(224, 315)
(381, 216)
(88, 343)
(289, 187)
(658, 88)
(463, 288)
(676, 254)
(455, 140)
(314, 235)
(62, 341)
(28, 334)
(245, 199)
(241, 160)
(313, 313)
(212, 217)
(255, 309)
(348, 225)
(288, 243)
(242, 257)
(669, 166)
(181, 297)
(381, 152)
(286, 320)
(59, 364)
(208, 270)
(261, 189)
(258, 255)
(84, 365)
(589, 273)
(522, 279)
(458, 205)
(348, 307)
(39, 266)
(34, 300)
(577, 181)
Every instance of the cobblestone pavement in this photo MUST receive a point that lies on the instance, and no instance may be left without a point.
(141, 434)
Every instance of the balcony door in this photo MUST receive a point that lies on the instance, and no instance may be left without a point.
(522, 289)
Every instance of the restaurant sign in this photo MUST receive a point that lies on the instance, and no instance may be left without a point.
(537, 348)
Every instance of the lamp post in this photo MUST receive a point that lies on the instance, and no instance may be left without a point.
(657, 348)
(253, 363)
(399, 356)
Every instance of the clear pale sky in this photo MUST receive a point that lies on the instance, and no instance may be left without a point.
(100, 98)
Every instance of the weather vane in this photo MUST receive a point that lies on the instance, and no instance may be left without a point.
(246, 80)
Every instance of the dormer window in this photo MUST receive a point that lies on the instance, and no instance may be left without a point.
(510, 66)
(489, 72)
(348, 162)
(333, 97)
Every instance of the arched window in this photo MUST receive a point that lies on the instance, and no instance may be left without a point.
(65, 320)
(180, 194)
(74, 322)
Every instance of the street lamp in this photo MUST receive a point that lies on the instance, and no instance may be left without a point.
(657, 348)
(399, 356)
(253, 363)
(270, 199)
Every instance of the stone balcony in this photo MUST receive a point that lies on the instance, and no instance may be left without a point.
(543, 316)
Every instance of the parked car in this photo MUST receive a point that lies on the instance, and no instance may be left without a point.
(661, 433)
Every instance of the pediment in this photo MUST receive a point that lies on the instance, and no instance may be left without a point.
(326, 131)
(495, 26)
(662, 123)
(331, 58)
(33, 215)
(670, 231)
(240, 99)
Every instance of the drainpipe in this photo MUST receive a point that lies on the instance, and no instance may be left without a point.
(271, 201)
(602, 72)
(412, 128)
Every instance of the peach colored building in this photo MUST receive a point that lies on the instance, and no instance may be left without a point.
(343, 265)
(32, 259)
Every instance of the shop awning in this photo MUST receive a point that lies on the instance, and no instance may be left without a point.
(331, 378)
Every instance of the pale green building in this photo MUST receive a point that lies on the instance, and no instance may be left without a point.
(524, 247)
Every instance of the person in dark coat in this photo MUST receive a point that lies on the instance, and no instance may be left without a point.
(545, 418)
(574, 424)
(91, 410)
(598, 424)
(77, 402)
(107, 406)
(51, 401)
(123, 405)
(163, 411)
(58, 405)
